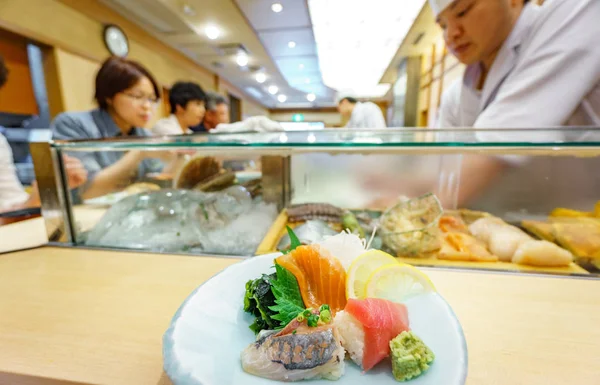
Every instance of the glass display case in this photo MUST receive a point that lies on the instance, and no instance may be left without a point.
(502, 199)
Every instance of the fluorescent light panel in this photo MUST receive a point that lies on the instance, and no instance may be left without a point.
(357, 39)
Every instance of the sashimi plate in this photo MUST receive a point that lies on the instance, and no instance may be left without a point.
(209, 331)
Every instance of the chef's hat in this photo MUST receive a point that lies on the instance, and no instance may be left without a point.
(346, 93)
(439, 5)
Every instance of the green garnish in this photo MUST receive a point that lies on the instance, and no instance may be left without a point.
(178, 234)
(325, 314)
(294, 241)
(294, 332)
(287, 295)
(201, 204)
(257, 300)
(313, 320)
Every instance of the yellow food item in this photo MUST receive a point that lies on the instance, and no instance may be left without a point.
(541, 230)
(568, 213)
(581, 236)
(361, 269)
(464, 247)
(398, 281)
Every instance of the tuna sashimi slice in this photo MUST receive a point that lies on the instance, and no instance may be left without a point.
(382, 321)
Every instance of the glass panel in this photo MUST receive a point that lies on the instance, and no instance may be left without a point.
(527, 192)
(171, 202)
(374, 140)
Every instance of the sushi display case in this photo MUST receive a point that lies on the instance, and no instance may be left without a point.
(523, 201)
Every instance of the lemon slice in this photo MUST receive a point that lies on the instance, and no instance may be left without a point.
(396, 282)
(360, 270)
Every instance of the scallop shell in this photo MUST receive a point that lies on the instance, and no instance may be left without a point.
(196, 170)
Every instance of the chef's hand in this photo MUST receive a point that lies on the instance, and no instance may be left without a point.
(76, 173)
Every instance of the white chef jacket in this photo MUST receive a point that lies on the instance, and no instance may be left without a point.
(366, 116)
(169, 126)
(11, 190)
(546, 74)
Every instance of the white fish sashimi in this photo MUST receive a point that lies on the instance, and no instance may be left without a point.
(307, 353)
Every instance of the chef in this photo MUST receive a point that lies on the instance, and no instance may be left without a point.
(360, 115)
(528, 66)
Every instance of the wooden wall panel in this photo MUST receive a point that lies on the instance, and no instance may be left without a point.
(17, 95)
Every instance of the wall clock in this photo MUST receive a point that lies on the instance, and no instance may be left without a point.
(115, 40)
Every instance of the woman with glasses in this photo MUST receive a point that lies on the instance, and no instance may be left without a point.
(127, 96)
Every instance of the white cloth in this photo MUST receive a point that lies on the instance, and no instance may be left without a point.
(169, 126)
(253, 124)
(546, 74)
(439, 5)
(11, 190)
(366, 116)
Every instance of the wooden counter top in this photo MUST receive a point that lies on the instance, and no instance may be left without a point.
(74, 316)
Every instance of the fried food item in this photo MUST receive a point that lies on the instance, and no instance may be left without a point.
(464, 247)
(542, 253)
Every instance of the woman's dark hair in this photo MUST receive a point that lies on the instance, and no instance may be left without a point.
(3, 72)
(182, 93)
(118, 74)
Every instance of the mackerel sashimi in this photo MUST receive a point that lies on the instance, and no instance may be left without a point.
(367, 326)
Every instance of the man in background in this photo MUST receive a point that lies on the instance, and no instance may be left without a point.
(12, 194)
(361, 115)
(187, 102)
(217, 112)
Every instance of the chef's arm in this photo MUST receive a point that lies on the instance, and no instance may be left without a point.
(477, 173)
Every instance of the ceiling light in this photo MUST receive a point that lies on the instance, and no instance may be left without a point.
(273, 90)
(292, 44)
(382, 30)
(261, 77)
(301, 66)
(212, 32)
(282, 98)
(241, 59)
(277, 7)
(311, 97)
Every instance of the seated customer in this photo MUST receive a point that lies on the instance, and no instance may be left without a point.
(127, 96)
(217, 112)
(187, 110)
(12, 194)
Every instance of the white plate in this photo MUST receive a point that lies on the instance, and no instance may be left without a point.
(207, 334)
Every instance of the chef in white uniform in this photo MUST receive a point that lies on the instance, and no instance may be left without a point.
(528, 66)
(360, 115)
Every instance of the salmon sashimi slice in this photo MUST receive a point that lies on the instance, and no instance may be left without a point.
(320, 276)
(382, 321)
